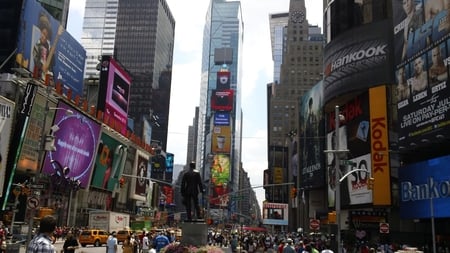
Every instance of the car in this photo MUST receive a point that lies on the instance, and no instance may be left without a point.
(122, 235)
(96, 237)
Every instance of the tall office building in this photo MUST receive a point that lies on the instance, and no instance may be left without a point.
(140, 36)
(99, 31)
(59, 9)
(300, 70)
(220, 114)
(278, 28)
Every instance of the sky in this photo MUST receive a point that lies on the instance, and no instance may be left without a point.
(257, 73)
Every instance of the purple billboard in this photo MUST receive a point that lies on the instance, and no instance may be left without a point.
(44, 47)
(76, 141)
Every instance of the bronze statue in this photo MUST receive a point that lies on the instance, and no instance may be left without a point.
(191, 186)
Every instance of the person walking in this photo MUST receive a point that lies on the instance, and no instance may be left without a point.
(70, 244)
(42, 243)
(111, 243)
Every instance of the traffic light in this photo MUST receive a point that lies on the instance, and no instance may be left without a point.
(370, 183)
(293, 193)
(121, 182)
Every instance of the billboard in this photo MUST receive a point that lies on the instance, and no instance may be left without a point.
(221, 119)
(44, 47)
(109, 163)
(221, 140)
(75, 142)
(358, 59)
(275, 214)
(222, 100)
(223, 80)
(421, 39)
(423, 97)
(114, 94)
(354, 136)
(220, 177)
(312, 174)
(425, 189)
(6, 117)
(141, 184)
(169, 167)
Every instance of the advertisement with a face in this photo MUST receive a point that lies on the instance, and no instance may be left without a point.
(110, 161)
(169, 167)
(114, 94)
(311, 120)
(423, 103)
(44, 47)
(275, 214)
(418, 26)
(221, 140)
(75, 141)
(6, 118)
(425, 189)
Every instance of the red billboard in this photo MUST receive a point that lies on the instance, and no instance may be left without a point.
(222, 100)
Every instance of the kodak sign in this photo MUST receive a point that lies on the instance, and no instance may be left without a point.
(379, 146)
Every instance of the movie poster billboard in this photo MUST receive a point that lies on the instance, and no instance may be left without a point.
(6, 118)
(141, 183)
(425, 189)
(76, 140)
(423, 102)
(169, 167)
(110, 161)
(354, 136)
(114, 94)
(312, 173)
(275, 214)
(44, 47)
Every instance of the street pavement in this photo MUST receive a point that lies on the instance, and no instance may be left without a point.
(91, 249)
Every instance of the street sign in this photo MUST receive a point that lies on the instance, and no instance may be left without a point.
(32, 202)
(314, 224)
(384, 228)
(37, 186)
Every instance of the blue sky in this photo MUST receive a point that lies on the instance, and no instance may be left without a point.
(257, 73)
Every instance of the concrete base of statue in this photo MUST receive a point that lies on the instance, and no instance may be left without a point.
(195, 232)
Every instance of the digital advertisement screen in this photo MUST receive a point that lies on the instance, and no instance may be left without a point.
(425, 189)
(222, 100)
(76, 141)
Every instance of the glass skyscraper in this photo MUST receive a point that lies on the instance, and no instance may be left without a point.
(223, 31)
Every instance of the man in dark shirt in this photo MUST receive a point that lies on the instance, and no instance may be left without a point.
(191, 185)
(71, 243)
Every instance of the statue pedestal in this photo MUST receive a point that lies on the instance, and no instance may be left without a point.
(194, 233)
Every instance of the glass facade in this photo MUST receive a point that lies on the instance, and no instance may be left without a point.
(223, 29)
(99, 31)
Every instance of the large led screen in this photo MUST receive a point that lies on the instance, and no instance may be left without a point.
(425, 189)
(44, 47)
(114, 94)
(76, 141)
